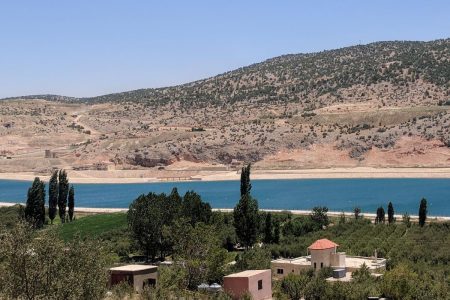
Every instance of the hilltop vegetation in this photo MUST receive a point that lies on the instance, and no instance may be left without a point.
(303, 77)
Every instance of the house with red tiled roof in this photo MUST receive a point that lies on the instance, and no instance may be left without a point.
(322, 244)
(323, 254)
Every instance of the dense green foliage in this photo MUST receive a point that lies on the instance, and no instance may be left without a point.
(37, 265)
(149, 213)
(10, 215)
(199, 250)
(253, 259)
(35, 206)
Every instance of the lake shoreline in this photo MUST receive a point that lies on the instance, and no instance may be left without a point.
(347, 214)
(115, 177)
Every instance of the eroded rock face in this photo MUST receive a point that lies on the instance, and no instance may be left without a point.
(147, 162)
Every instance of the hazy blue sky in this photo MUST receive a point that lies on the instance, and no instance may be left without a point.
(88, 47)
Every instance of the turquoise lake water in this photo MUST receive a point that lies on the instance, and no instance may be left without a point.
(336, 194)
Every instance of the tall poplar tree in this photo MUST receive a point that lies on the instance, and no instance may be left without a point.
(276, 231)
(423, 212)
(53, 196)
(71, 202)
(380, 218)
(35, 206)
(246, 186)
(391, 219)
(63, 190)
(268, 229)
(246, 219)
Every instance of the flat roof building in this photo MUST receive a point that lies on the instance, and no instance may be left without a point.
(137, 276)
(256, 283)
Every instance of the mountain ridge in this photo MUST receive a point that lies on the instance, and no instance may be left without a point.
(153, 94)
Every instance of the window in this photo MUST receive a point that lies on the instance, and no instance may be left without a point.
(315, 266)
(321, 265)
(280, 271)
(259, 284)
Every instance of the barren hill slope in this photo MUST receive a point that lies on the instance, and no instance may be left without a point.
(382, 104)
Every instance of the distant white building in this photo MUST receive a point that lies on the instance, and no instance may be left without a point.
(323, 253)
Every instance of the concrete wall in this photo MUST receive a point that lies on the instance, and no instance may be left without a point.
(139, 280)
(287, 268)
(239, 286)
(338, 259)
(321, 257)
(235, 286)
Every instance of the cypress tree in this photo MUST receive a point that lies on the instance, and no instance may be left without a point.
(53, 196)
(423, 212)
(35, 206)
(391, 219)
(42, 202)
(246, 220)
(245, 180)
(71, 202)
(268, 229)
(276, 231)
(357, 212)
(380, 218)
(63, 190)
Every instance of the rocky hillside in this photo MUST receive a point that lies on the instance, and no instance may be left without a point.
(382, 104)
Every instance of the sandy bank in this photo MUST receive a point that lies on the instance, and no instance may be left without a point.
(294, 212)
(257, 174)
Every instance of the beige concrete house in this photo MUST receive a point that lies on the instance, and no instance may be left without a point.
(256, 283)
(323, 253)
(137, 276)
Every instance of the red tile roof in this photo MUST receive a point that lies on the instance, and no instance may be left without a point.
(322, 245)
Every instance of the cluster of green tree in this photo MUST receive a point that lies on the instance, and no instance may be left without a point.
(60, 197)
(381, 219)
(148, 215)
(184, 228)
(38, 265)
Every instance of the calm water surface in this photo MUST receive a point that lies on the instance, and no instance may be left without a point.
(336, 194)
